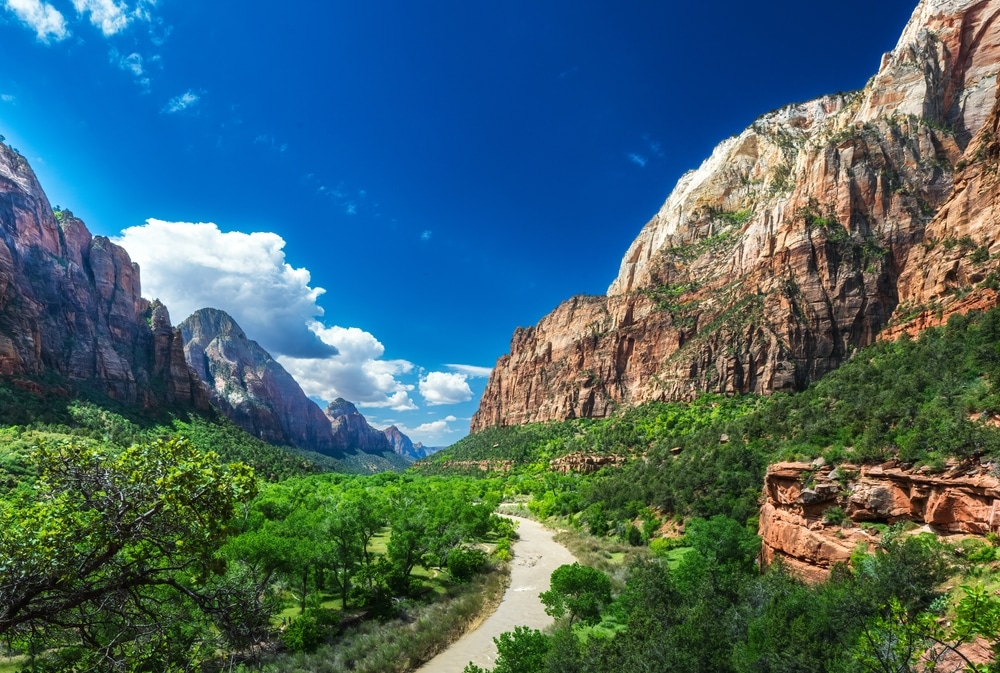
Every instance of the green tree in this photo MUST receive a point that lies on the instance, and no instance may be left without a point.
(522, 650)
(116, 550)
(578, 590)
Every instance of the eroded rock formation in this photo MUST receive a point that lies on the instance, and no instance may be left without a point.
(806, 505)
(71, 307)
(793, 244)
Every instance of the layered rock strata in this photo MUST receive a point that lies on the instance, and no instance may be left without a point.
(812, 513)
(71, 307)
(792, 245)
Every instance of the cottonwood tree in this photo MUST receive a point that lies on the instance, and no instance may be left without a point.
(580, 591)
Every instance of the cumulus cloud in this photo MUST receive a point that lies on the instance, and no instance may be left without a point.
(8, 98)
(472, 371)
(426, 235)
(110, 16)
(445, 388)
(193, 265)
(357, 373)
(181, 102)
(432, 433)
(48, 22)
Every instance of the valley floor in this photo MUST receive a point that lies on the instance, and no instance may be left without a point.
(536, 555)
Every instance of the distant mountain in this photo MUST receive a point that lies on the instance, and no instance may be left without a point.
(402, 445)
(246, 384)
(71, 312)
(351, 430)
(352, 433)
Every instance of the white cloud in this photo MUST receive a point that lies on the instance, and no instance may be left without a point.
(472, 371)
(193, 265)
(8, 98)
(433, 426)
(445, 388)
(426, 235)
(181, 102)
(357, 373)
(111, 17)
(47, 21)
(638, 159)
(433, 433)
(132, 63)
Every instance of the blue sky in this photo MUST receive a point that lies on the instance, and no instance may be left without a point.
(403, 182)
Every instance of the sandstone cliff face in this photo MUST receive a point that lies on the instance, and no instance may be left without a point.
(956, 268)
(793, 244)
(249, 387)
(799, 496)
(70, 304)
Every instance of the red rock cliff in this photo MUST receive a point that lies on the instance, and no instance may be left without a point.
(791, 245)
(70, 304)
(796, 523)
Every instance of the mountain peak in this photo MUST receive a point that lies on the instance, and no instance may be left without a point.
(206, 324)
(341, 407)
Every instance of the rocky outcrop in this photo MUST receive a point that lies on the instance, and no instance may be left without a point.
(789, 247)
(71, 307)
(249, 387)
(811, 513)
(584, 463)
(468, 466)
(351, 431)
(402, 445)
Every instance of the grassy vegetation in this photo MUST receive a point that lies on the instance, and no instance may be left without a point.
(410, 637)
(35, 412)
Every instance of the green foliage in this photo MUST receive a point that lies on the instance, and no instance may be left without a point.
(464, 562)
(577, 591)
(668, 298)
(59, 412)
(303, 634)
(713, 611)
(835, 515)
(735, 218)
(522, 650)
(108, 537)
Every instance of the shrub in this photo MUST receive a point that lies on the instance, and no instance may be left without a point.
(464, 562)
(303, 634)
(835, 515)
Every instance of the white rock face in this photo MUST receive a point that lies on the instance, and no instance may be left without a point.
(747, 172)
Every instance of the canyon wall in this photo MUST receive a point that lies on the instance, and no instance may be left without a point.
(71, 309)
(796, 242)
